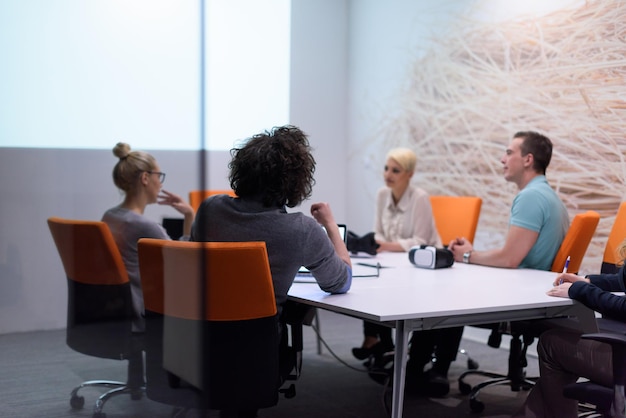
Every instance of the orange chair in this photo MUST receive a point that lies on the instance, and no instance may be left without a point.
(211, 323)
(456, 216)
(611, 258)
(576, 242)
(197, 196)
(99, 308)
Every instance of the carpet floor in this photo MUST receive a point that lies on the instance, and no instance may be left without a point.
(39, 371)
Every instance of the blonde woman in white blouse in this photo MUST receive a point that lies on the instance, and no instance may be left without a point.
(404, 219)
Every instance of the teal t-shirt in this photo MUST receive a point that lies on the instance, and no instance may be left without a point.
(538, 208)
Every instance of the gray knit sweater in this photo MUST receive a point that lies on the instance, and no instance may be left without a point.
(292, 240)
(127, 228)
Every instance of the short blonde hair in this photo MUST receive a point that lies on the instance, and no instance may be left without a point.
(405, 157)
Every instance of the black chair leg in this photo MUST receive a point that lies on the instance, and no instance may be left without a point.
(515, 377)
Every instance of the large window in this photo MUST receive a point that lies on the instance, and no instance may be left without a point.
(79, 74)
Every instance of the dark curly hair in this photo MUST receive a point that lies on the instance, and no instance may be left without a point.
(276, 167)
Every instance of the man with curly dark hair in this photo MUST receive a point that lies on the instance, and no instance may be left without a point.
(271, 171)
(274, 170)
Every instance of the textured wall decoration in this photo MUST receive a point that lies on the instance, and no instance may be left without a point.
(563, 74)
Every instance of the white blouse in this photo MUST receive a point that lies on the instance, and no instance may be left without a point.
(409, 223)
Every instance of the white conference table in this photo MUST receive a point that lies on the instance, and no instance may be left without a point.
(408, 298)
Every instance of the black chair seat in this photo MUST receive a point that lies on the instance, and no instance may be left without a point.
(609, 401)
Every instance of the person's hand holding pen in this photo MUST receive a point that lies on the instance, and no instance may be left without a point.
(560, 289)
(563, 282)
(564, 278)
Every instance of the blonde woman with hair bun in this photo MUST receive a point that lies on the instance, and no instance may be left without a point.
(138, 175)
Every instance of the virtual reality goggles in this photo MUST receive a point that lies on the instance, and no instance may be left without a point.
(429, 257)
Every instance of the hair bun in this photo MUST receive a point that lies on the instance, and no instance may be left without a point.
(121, 150)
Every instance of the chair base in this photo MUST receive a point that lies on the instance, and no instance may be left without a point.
(476, 405)
(118, 388)
(586, 410)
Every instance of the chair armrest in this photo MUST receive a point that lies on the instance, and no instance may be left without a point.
(618, 346)
(607, 337)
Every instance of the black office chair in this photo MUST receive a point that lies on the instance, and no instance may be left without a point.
(99, 308)
(608, 401)
(521, 338)
(224, 358)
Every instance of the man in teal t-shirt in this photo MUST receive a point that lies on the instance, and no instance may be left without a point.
(539, 220)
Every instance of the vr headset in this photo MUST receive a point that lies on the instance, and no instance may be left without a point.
(366, 243)
(429, 257)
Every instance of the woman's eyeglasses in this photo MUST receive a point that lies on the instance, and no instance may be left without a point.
(161, 175)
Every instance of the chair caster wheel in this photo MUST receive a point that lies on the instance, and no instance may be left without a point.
(472, 364)
(464, 388)
(476, 406)
(77, 402)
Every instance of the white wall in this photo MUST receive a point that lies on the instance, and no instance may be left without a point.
(385, 38)
(319, 65)
(38, 183)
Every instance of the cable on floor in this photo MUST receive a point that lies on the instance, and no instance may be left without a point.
(386, 389)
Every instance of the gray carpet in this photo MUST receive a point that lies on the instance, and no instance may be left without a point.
(39, 371)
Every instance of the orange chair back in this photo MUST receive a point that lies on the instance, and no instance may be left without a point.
(150, 253)
(456, 216)
(616, 237)
(197, 196)
(88, 251)
(576, 241)
(234, 276)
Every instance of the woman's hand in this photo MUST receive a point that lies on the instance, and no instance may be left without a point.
(560, 291)
(385, 246)
(568, 278)
(175, 201)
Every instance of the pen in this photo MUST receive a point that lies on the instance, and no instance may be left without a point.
(565, 268)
